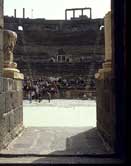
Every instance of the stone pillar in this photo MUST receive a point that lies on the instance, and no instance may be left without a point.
(107, 66)
(108, 40)
(10, 67)
(15, 13)
(82, 12)
(73, 13)
(23, 12)
(90, 13)
(105, 99)
(65, 14)
(1, 37)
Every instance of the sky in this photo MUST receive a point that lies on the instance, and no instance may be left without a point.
(54, 9)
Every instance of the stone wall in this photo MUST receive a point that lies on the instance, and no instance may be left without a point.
(11, 109)
(106, 119)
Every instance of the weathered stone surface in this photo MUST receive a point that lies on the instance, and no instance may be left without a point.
(13, 74)
(41, 40)
(10, 38)
(14, 100)
(2, 128)
(106, 116)
(11, 120)
(108, 39)
(7, 84)
(105, 111)
(16, 116)
(58, 141)
(6, 118)
(2, 103)
(11, 110)
(1, 84)
(1, 37)
(20, 110)
(19, 85)
(10, 67)
(8, 101)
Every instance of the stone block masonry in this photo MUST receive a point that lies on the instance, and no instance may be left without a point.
(106, 119)
(11, 110)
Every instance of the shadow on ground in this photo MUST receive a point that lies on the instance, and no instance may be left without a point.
(85, 147)
(82, 148)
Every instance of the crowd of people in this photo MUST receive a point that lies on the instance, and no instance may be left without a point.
(48, 87)
(39, 89)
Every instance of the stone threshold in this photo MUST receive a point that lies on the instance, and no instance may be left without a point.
(48, 160)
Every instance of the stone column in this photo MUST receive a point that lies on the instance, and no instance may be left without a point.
(108, 40)
(65, 14)
(15, 13)
(73, 13)
(90, 13)
(1, 37)
(10, 67)
(107, 65)
(82, 12)
(23, 12)
(105, 100)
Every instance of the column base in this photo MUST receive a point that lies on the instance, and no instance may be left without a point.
(105, 71)
(12, 73)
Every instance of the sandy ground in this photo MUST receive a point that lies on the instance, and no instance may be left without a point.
(61, 127)
(60, 113)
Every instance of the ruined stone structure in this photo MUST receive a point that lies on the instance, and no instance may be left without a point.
(82, 12)
(11, 96)
(58, 47)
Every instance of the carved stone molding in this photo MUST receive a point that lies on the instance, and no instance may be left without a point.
(10, 67)
(107, 65)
